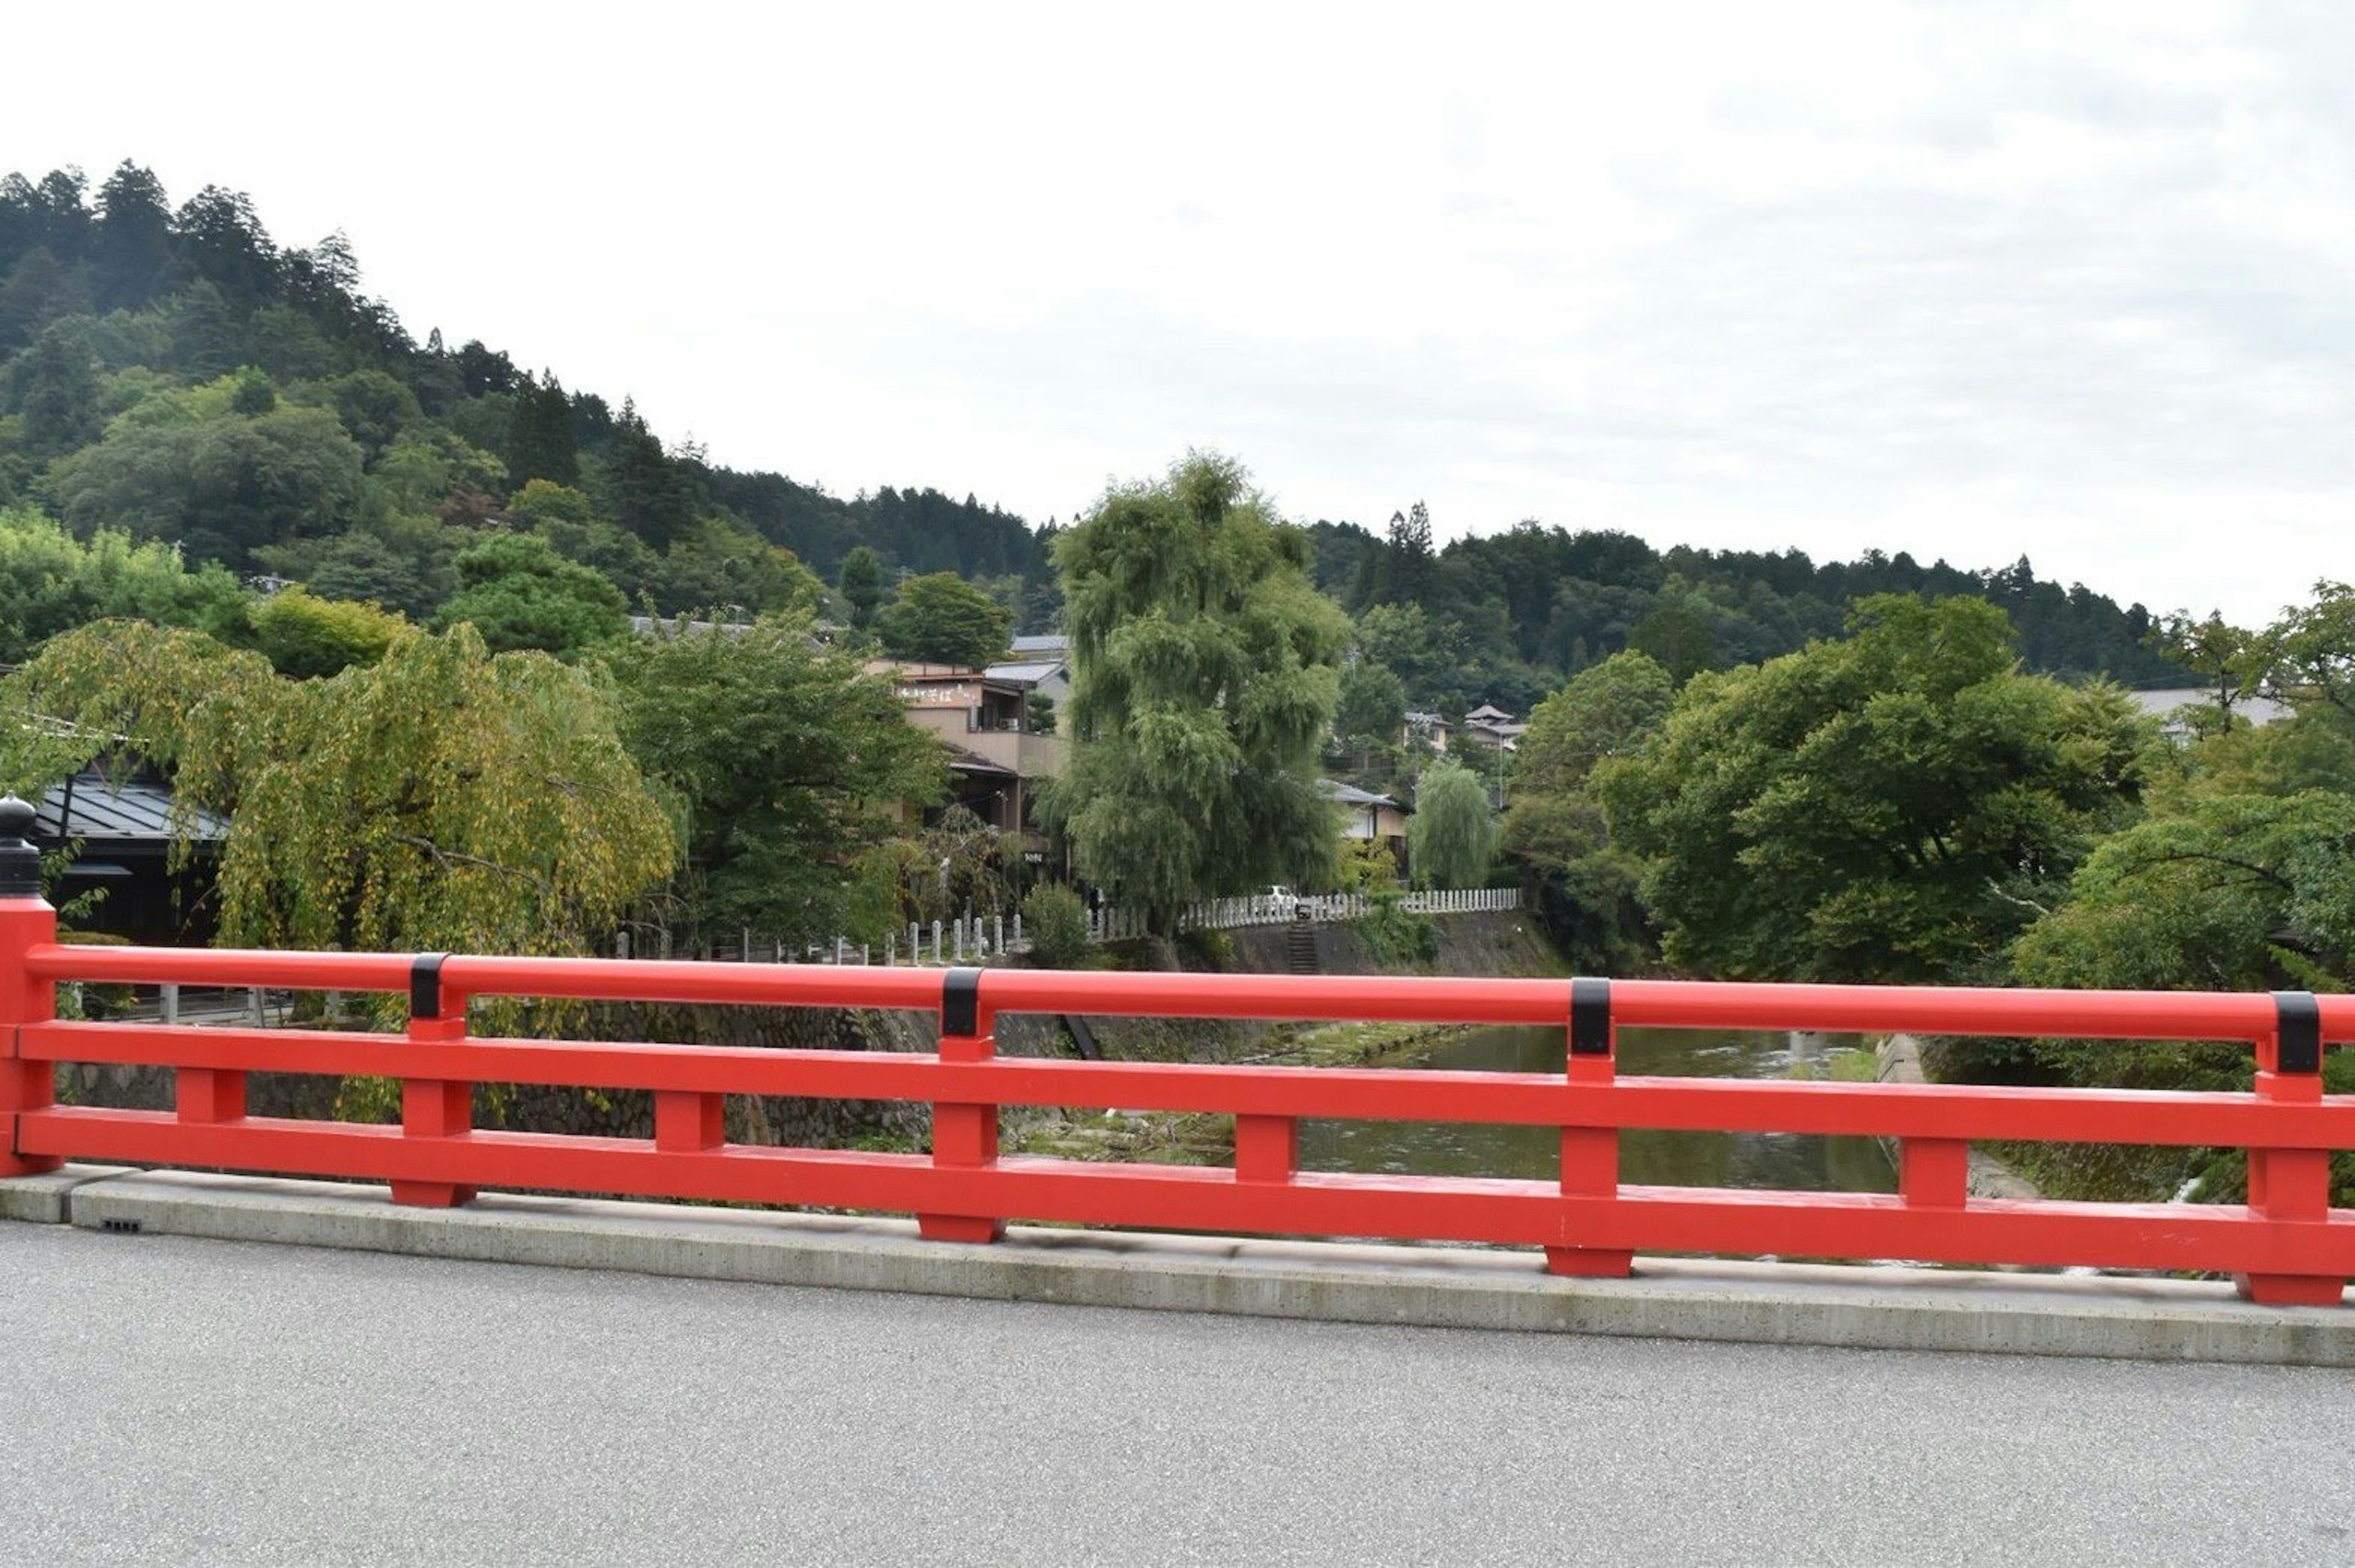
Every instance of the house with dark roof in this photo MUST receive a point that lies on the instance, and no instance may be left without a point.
(122, 822)
(1365, 815)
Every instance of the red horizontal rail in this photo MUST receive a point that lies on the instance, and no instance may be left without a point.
(2286, 1240)
(1521, 1213)
(1524, 1099)
(1657, 1004)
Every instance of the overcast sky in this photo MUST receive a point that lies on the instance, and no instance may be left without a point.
(1975, 280)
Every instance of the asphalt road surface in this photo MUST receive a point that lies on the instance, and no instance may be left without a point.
(178, 1402)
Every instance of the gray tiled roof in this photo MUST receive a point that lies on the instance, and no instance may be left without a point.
(1026, 673)
(108, 813)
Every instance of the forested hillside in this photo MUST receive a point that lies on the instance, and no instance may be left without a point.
(175, 373)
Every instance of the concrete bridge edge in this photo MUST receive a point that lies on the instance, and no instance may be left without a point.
(1874, 1307)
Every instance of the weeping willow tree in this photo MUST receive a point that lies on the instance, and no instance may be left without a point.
(438, 798)
(1452, 841)
(1203, 685)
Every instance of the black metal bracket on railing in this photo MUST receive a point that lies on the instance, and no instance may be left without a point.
(425, 985)
(961, 1002)
(2297, 1032)
(1589, 1017)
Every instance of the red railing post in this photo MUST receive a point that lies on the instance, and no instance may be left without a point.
(1590, 1156)
(687, 1121)
(1934, 1173)
(27, 921)
(1267, 1149)
(964, 1137)
(432, 1107)
(2284, 1183)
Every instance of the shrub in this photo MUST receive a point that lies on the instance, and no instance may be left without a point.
(1057, 924)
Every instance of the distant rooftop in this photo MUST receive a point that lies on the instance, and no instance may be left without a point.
(1024, 673)
(1054, 645)
(1350, 795)
(89, 807)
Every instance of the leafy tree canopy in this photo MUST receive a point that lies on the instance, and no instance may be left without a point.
(1204, 683)
(1892, 808)
(440, 797)
(788, 764)
(942, 618)
(518, 593)
(1451, 839)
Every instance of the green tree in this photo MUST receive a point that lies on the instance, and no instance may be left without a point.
(438, 798)
(860, 584)
(53, 388)
(790, 763)
(1450, 840)
(1057, 924)
(1203, 685)
(306, 637)
(1892, 807)
(1371, 715)
(519, 593)
(640, 485)
(1585, 884)
(2228, 661)
(720, 565)
(221, 485)
(540, 444)
(51, 582)
(942, 618)
(2309, 653)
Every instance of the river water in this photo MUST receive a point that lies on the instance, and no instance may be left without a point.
(1785, 1161)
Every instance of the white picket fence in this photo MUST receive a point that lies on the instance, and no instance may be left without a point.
(1228, 915)
(977, 939)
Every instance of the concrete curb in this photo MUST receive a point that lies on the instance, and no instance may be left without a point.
(1779, 1304)
(47, 1199)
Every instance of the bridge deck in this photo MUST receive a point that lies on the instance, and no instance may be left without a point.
(178, 1400)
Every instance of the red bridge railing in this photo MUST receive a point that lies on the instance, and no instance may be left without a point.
(2284, 1246)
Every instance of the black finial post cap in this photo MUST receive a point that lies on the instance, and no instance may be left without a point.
(20, 863)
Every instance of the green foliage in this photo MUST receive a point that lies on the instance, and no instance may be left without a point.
(718, 565)
(1204, 684)
(1056, 922)
(789, 765)
(943, 619)
(518, 594)
(2310, 652)
(306, 637)
(2240, 878)
(1038, 712)
(51, 581)
(1585, 884)
(541, 502)
(860, 582)
(1451, 839)
(219, 486)
(1892, 808)
(438, 798)
(1606, 710)
(1372, 714)
(1393, 934)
